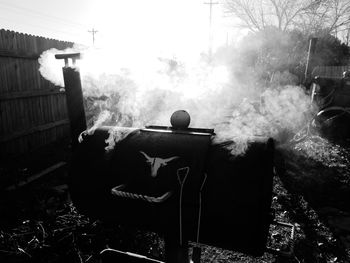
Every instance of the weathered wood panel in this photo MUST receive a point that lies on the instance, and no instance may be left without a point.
(333, 72)
(32, 110)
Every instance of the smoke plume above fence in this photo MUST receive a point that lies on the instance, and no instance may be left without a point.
(145, 89)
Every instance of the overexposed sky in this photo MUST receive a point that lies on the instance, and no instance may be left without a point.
(162, 25)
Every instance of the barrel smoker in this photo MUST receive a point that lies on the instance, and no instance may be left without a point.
(175, 181)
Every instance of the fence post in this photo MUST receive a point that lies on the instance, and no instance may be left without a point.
(311, 52)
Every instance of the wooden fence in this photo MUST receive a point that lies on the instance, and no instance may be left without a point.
(32, 110)
(332, 72)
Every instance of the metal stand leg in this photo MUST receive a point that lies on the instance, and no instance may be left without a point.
(174, 252)
(196, 254)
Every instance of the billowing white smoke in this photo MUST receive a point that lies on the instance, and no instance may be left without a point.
(147, 90)
(49, 67)
(279, 113)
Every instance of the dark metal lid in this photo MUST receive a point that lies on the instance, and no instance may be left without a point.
(193, 131)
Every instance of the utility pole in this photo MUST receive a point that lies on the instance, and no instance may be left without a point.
(211, 3)
(93, 32)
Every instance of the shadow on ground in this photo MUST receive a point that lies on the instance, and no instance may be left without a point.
(315, 176)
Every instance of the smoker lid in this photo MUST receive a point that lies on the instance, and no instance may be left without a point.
(190, 131)
(180, 121)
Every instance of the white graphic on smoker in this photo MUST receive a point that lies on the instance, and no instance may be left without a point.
(156, 163)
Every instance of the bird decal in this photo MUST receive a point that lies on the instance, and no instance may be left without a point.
(156, 162)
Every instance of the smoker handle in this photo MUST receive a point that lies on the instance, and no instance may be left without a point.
(117, 191)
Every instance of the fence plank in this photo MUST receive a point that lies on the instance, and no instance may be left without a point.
(18, 54)
(335, 72)
(29, 93)
(4, 121)
(3, 73)
(36, 129)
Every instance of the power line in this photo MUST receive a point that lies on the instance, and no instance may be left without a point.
(60, 19)
(32, 12)
(70, 34)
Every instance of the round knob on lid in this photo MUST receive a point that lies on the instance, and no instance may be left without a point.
(180, 119)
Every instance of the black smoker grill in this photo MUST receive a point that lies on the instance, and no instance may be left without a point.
(176, 182)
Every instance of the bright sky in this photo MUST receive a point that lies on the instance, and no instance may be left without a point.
(162, 25)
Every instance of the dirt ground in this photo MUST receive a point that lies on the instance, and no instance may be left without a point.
(311, 191)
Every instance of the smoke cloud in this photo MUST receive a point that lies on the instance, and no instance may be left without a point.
(145, 89)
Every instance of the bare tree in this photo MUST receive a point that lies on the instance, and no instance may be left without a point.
(338, 16)
(257, 15)
(308, 15)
